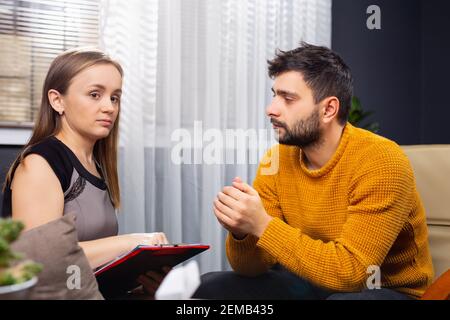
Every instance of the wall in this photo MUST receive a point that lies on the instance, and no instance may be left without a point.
(399, 71)
(435, 52)
(7, 156)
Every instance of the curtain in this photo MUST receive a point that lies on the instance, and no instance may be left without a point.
(195, 75)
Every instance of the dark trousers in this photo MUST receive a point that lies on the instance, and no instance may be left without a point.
(278, 284)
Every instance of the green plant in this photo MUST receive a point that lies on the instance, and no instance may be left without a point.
(358, 117)
(13, 268)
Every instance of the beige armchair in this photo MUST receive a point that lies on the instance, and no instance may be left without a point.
(431, 165)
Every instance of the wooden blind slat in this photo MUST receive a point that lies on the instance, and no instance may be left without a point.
(32, 34)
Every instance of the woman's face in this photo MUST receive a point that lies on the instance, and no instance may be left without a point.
(92, 101)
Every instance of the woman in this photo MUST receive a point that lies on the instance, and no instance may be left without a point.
(70, 163)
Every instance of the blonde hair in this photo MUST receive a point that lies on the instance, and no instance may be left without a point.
(48, 123)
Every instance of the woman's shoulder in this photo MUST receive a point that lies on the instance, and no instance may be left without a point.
(49, 147)
(53, 152)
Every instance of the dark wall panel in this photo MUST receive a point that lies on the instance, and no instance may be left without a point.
(385, 63)
(435, 82)
(7, 156)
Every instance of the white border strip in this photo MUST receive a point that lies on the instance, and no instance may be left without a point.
(14, 136)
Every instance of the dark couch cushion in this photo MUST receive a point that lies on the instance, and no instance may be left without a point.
(55, 246)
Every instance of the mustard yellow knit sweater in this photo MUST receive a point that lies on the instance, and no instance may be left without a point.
(360, 209)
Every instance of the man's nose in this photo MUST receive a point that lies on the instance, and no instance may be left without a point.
(273, 109)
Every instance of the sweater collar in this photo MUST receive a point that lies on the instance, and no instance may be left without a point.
(346, 133)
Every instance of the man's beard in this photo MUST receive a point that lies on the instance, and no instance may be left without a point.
(304, 133)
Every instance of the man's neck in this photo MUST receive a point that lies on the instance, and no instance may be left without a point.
(317, 156)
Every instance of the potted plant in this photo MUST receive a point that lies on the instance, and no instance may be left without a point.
(358, 117)
(17, 275)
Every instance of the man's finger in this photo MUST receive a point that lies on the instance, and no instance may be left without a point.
(233, 192)
(224, 209)
(228, 201)
(150, 285)
(237, 179)
(166, 270)
(155, 276)
(221, 223)
(223, 219)
(244, 187)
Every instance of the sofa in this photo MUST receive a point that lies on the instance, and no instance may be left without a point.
(431, 166)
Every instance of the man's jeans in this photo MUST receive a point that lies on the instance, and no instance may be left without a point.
(278, 284)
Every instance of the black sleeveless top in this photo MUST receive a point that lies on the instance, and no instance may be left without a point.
(85, 195)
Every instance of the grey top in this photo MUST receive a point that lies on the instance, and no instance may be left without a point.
(85, 195)
(96, 217)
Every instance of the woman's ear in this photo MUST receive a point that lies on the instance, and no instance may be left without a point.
(56, 101)
(331, 108)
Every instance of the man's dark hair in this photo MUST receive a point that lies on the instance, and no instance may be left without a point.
(323, 70)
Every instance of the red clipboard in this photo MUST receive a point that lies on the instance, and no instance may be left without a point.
(119, 276)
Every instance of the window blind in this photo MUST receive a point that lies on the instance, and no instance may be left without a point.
(32, 34)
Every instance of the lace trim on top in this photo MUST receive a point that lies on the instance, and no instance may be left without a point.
(76, 189)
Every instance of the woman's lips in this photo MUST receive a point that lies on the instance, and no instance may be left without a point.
(105, 123)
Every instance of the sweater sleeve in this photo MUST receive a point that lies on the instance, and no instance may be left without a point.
(245, 256)
(380, 198)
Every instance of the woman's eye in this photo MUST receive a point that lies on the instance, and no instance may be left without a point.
(94, 95)
(115, 99)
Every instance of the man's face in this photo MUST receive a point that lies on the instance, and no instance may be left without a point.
(293, 113)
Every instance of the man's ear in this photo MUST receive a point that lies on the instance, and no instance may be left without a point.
(56, 101)
(330, 108)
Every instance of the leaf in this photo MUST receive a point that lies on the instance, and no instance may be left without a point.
(10, 229)
(357, 116)
(12, 269)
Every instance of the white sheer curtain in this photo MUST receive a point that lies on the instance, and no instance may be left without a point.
(193, 64)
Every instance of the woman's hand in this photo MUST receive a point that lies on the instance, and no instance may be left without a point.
(151, 281)
(149, 239)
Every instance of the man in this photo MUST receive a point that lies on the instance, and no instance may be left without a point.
(341, 216)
